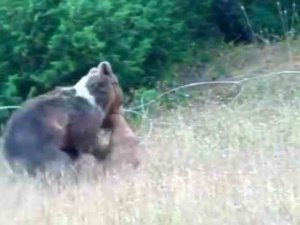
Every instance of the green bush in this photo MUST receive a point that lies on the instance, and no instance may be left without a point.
(273, 17)
(48, 42)
(44, 43)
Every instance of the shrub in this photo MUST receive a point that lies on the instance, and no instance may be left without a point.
(50, 42)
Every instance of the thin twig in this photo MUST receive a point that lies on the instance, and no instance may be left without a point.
(9, 107)
(228, 82)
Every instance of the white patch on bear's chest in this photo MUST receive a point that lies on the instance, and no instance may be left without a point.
(82, 90)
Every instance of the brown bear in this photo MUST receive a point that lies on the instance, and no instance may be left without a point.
(125, 150)
(54, 129)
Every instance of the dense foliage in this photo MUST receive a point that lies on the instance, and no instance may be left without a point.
(274, 18)
(44, 43)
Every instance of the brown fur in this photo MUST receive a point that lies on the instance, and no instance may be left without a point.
(124, 145)
(57, 127)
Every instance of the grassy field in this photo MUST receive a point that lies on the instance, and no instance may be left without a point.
(210, 163)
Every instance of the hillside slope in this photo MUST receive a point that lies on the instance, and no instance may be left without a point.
(235, 162)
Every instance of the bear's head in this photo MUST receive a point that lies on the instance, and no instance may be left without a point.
(101, 87)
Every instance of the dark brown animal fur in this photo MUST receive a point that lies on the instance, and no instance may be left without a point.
(57, 127)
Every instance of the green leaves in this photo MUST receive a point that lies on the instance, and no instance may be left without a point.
(48, 42)
(44, 43)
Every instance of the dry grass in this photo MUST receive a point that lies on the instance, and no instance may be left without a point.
(235, 163)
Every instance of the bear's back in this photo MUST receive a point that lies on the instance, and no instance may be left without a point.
(47, 118)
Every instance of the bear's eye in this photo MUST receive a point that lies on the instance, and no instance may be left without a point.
(99, 88)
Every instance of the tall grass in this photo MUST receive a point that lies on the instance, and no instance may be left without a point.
(211, 163)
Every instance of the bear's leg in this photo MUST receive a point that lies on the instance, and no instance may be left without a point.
(101, 153)
(101, 149)
(72, 152)
(58, 164)
(124, 145)
(47, 164)
(50, 161)
(31, 152)
(92, 145)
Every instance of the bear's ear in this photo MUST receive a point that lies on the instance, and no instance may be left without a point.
(93, 71)
(105, 68)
